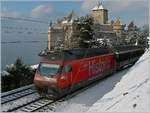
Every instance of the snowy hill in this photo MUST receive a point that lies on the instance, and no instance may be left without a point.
(131, 93)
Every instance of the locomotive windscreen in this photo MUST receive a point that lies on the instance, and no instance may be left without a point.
(48, 69)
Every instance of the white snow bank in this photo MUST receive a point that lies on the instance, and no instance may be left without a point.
(131, 93)
(34, 66)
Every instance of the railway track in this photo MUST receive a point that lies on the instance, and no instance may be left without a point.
(42, 104)
(17, 93)
(33, 106)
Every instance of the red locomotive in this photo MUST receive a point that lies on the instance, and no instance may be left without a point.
(60, 73)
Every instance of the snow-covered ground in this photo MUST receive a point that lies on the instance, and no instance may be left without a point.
(125, 91)
(131, 93)
(34, 66)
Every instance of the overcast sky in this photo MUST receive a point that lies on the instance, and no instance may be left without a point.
(127, 10)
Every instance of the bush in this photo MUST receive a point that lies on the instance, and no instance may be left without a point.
(85, 30)
(19, 75)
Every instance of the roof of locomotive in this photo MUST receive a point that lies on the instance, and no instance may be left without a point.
(101, 51)
(77, 53)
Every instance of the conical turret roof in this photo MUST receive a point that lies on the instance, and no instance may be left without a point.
(99, 6)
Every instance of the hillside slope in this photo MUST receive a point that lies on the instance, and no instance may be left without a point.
(131, 93)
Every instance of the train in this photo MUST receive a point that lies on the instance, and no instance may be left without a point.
(62, 72)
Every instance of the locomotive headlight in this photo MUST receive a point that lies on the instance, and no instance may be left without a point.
(63, 77)
(51, 80)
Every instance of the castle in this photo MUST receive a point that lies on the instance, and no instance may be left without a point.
(62, 33)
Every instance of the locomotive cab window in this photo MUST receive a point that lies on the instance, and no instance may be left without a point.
(48, 69)
(67, 68)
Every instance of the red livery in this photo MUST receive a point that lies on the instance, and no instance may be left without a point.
(60, 73)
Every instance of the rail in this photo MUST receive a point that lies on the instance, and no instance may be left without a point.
(17, 93)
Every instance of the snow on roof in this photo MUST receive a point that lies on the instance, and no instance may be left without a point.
(71, 21)
(64, 22)
(99, 6)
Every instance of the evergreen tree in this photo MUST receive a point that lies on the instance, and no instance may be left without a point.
(19, 75)
(144, 33)
(85, 31)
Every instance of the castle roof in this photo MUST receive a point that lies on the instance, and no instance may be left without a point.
(99, 6)
(117, 22)
(70, 18)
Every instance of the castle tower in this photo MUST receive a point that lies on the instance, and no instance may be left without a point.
(49, 44)
(117, 26)
(100, 14)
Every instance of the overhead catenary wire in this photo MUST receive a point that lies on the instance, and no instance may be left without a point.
(20, 29)
(32, 41)
(23, 32)
(24, 19)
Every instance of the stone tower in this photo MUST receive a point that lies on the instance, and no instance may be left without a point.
(49, 36)
(100, 14)
(117, 26)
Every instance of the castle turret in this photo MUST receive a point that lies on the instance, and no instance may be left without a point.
(49, 36)
(100, 14)
(117, 26)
